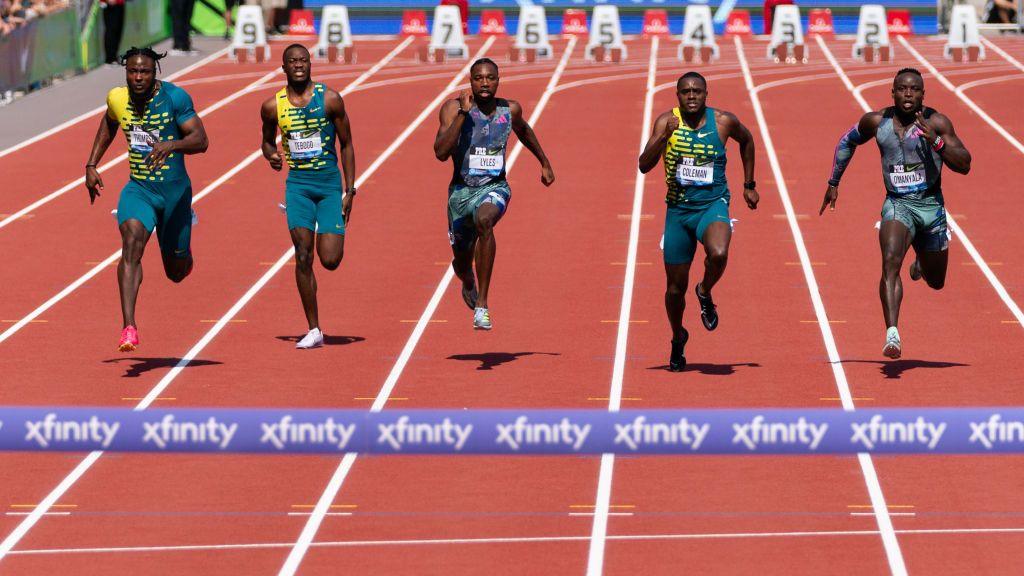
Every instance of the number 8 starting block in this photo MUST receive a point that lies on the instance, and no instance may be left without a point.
(335, 35)
(250, 35)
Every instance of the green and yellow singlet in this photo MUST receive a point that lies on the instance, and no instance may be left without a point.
(166, 110)
(695, 163)
(307, 135)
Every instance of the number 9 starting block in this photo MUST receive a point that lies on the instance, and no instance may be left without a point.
(250, 35)
(335, 36)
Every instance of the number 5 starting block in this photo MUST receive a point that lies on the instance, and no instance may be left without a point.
(605, 41)
(963, 44)
(335, 35)
(872, 35)
(250, 35)
(787, 41)
(698, 43)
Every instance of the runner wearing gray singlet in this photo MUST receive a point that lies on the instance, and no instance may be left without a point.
(914, 142)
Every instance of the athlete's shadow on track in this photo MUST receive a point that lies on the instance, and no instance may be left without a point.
(895, 369)
(140, 366)
(328, 339)
(489, 360)
(712, 369)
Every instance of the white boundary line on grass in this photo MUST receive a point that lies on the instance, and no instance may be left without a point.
(44, 506)
(599, 529)
(323, 504)
(892, 547)
(98, 109)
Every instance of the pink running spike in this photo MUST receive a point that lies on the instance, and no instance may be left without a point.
(129, 339)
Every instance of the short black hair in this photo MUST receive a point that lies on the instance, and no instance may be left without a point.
(482, 61)
(913, 71)
(290, 46)
(146, 52)
(692, 74)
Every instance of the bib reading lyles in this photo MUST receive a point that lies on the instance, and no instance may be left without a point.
(486, 162)
(305, 145)
(690, 174)
(907, 178)
(141, 140)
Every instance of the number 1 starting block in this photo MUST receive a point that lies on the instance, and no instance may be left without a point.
(532, 36)
(446, 38)
(872, 35)
(787, 41)
(963, 44)
(335, 36)
(698, 43)
(250, 35)
(605, 41)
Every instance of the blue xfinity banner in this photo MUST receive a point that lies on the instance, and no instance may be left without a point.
(637, 432)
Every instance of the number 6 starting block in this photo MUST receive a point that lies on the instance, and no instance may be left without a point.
(335, 35)
(532, 36)
(250, 35)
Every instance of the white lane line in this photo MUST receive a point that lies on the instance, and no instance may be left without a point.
(992, 46)
(892, 547)
(599, 530)
(121, 158)
(99, 109)
(19, 532)
(31, 316)
(510, 540)
(953, 224)
(302, 545)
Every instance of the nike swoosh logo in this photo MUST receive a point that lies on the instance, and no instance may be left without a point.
(703, 134)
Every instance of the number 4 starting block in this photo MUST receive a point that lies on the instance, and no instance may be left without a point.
(532, 36)
(698, 43)
(605, 41)
(335, 35)
(446, 39)
(787, 41)
(963, 44)
(250, 35)
(872, 35)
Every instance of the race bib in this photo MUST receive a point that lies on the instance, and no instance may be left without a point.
(305, 145)
(907, 178)
(139, 140)
(690, 174)
(487, 162)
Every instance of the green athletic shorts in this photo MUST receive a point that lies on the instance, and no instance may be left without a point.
(685, 226)
(165, 206)
(313, 201)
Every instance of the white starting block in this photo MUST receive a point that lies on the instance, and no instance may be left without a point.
(698, 43)
(963, 44)
(787, 42)
(446, 39)
(605, 41)
(335, 36)
(250, 35)
(872, 43)
(532, 40)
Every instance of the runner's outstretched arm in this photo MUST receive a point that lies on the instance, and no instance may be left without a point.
(104, 136)
(529, 139)
(738, 132)
(336, 110)
(656, 144)
(860, 134)
(452, 115)
(268, 113)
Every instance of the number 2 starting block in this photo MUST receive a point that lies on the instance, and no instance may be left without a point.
(605, 41)
(532, 36)
(787, 41)
(698, 43)
(872, 35)
(446, 38)
(963, 44)
(335, 40)
(250, 35)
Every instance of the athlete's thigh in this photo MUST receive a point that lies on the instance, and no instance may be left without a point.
(136, 203)
(677, 276)
(329, 219)
(680, 239)
(330, 247)
(300, 207)
(715, 228)
(174, 225)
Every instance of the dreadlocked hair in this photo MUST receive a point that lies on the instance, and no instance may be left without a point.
(147, 52)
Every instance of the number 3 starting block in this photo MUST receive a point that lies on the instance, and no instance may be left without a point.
(787, 41)
(335, 35)
(698, 43)
(605, 41)
(872, 35)
(250, 35)
(963, 44)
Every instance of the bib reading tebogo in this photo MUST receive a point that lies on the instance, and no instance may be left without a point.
(305, 145)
